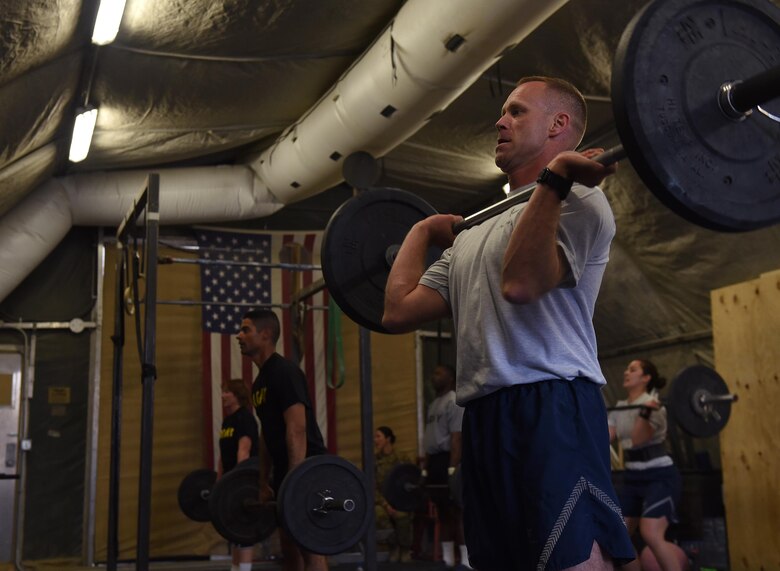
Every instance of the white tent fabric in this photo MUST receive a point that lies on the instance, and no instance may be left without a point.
(203, 83)
(408, 67)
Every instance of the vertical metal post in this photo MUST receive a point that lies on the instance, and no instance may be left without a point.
(367, 427)
(149, 372)
(93, 416)
(112, 547)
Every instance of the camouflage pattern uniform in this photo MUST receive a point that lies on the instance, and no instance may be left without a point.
(401, 522)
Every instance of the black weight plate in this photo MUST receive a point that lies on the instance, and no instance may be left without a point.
(253, 462)
(355, 246)
(229, 514)
(193, 494)
(402, 489)
(300, 495)
(690, 383)
(671, 61)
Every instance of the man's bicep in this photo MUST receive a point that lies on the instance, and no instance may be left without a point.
(295, 416)
(421, 305)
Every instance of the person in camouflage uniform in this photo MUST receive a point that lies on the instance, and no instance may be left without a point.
(386, 517)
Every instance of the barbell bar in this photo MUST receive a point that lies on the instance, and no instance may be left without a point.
(676, 94)
(167, 260)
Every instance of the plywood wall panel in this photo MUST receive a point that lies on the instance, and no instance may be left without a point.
(746, 338)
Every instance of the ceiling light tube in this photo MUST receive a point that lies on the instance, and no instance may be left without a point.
(109, 17)
(83, 128)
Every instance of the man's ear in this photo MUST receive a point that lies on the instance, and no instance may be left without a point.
(559, 124)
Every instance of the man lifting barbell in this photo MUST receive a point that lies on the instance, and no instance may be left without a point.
(289, 428)
(521, 287)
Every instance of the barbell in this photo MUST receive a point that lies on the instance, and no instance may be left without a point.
(406, 490)
(322, 504)
(699, 401)
(195, 489)
(688, 82)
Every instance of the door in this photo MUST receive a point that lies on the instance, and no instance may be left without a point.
(10, 403)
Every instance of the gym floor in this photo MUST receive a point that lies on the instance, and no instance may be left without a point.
(344, 562)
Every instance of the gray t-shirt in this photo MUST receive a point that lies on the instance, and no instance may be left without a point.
(623, 421)
(444, 417)
(502, 344)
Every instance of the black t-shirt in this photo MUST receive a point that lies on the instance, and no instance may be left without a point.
(279, 385)
(237, 425)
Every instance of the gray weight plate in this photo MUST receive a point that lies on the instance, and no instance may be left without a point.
(671, 61)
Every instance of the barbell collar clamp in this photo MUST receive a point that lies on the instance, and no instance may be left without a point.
(726, 102)
(329, 504)
(747, 94)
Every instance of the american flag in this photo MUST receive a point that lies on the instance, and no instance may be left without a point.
(229, 288)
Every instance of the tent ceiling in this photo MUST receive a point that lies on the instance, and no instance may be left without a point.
(204, 82)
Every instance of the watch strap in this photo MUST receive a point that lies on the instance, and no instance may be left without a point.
(562, 186)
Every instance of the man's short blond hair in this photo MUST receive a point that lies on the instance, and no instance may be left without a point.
(570, 97)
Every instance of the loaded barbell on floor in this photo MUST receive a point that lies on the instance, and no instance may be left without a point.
(194, 492)
(195, 489)
(406, 490)
(699, 401)
(322, 504)
(685, 120)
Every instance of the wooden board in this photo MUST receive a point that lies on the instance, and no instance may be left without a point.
(746, 338)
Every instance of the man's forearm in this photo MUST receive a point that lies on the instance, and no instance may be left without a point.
(408, 267)
(296, 446)
(456, 448)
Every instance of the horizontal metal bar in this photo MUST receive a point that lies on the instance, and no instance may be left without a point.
(207, 262)
(706, 399)
(309, 290)
(44, 324)
(192, 248)
(233, 304)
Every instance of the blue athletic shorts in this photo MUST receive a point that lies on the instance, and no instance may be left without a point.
(651, 493)
(537, 488)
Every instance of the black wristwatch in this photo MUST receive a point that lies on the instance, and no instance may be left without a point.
(561, 185)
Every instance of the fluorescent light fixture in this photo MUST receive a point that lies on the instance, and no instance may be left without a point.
(109, 17)
(506, 188)
(83, 128)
